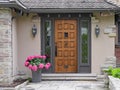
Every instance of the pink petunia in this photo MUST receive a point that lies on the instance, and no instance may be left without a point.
(41, 66)
(44, 57)
(37, 56)
(29, 58)
(26, 64)
(30, 66)
(32, 57)
(34, 68)
(40, 56)
(47, 66)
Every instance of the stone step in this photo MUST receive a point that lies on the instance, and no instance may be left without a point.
(7, 88)
(66, 85)
(87, 77)
(101, 77)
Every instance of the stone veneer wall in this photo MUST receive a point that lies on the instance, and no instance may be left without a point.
(6, 58)
(114, 83)
(109, 62)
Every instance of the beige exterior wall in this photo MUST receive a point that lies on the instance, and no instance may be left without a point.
(27, 44)
(17, 42)
(103, 46)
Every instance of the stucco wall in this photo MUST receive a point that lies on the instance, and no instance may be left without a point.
(103, 46)
(27, 44)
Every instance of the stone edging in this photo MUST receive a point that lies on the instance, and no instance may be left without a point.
(21, 85)
(18, 87)
(114, 83)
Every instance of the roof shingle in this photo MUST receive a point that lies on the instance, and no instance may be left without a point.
(86, 4)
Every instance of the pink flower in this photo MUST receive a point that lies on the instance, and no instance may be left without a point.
(41, 66)
(44, 57)
(47, 66)
(34, 68)
(37, 56)
(30, 66)
(32, 57)
(40, 56)
(26, 64)
(29, 58)
(35, 59)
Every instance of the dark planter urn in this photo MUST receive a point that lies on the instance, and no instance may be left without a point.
(36, 76)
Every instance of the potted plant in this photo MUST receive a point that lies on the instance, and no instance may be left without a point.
(36, 63)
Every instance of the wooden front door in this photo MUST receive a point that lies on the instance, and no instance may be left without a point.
(65, 46)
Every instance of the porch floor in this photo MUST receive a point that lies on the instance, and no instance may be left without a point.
(67, 85)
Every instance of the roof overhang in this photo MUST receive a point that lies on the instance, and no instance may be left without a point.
(18, 5)
(71, 10)
(13, 4)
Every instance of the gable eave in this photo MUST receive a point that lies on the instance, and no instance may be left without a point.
(70, 10)
(20, 5)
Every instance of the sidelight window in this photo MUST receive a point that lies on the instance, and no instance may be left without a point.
(84, 41)
(48, 38)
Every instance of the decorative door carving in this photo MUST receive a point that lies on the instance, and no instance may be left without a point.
(65, 46)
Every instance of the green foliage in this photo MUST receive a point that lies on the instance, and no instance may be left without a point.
(29, 79)
(115, 72)
(37, 61)
(84, 48)
(109, 71)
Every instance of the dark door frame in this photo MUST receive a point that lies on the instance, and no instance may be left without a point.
(53, 17)
(117, 23)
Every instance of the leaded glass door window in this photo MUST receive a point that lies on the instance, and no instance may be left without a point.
(84, 41)
(48, 39)
(85, 65)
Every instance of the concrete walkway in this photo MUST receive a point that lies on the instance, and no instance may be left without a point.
(66, 85)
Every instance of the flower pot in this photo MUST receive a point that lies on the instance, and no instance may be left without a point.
(36, 76)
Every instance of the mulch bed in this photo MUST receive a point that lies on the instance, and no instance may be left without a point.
(15, 83)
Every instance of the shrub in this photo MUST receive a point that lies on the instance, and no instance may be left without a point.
(115, 72)
(109, 71)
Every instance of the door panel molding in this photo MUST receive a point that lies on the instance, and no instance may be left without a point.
(67, 35)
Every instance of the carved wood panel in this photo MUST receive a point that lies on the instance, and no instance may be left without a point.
(66, 46)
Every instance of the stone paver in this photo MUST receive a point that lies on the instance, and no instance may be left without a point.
(66, 85)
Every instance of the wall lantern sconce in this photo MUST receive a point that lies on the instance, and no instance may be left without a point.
(97, 31)
(34, 30)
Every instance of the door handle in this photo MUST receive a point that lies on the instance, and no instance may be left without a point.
(55, 49)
